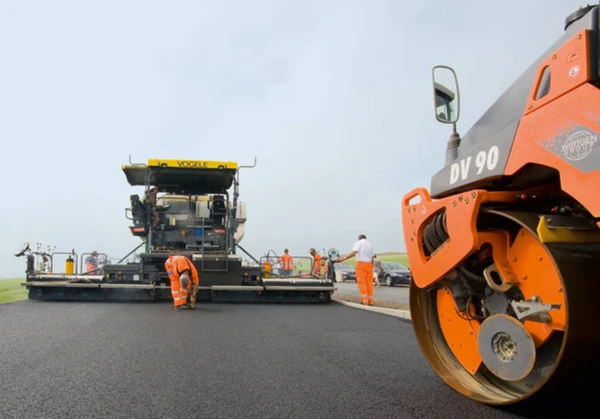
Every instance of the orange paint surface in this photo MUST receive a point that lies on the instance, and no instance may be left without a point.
(460, 334)
(538, 277)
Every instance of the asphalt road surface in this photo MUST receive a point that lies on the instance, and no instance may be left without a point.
(396, 294)
(117, 360)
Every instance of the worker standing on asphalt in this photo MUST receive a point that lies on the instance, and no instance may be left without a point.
(364, 268)
(287, 263)
(182, 272)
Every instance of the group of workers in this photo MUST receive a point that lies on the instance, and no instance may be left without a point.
(184, 275)
(367, 267)
(286, 264)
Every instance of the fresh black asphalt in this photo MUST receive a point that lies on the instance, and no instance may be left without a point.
(118, 360)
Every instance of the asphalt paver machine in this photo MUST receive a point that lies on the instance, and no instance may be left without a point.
(190, 208)
(504, 248)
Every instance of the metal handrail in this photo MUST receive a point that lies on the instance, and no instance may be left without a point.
(299, 265)
(136, 164)
(81, 259)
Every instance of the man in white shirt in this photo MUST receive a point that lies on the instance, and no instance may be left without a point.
(364, 268)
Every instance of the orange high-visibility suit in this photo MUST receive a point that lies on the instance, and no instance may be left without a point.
(91, 264)
(287, 264)
(364, 279)
(175, 265)
(317, 264)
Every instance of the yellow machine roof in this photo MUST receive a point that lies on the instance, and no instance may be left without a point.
(193, 164)
(183, 176)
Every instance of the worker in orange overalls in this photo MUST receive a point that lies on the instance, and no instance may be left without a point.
(317, 259)
(287, 263)
(181, 272)
(364, 268)
(91, 262)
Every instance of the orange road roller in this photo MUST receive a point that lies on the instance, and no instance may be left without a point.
(504, 247)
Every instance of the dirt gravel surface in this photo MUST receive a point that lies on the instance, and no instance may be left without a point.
(117, 360)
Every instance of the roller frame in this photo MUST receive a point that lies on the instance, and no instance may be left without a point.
(578, 359)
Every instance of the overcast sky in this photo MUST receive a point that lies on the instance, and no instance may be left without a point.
(333, 98)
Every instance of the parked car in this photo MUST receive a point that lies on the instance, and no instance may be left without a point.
(345, 272)
(394, 273)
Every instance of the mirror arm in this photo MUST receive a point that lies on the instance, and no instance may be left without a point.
(453, 144)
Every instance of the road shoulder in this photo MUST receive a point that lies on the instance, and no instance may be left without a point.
(382, 307)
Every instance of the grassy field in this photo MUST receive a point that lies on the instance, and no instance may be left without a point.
(386, 257)
(11, 290)
(302, 265)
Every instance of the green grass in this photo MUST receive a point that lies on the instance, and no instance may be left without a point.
(386, 257)
(304, 263)
(11, 290)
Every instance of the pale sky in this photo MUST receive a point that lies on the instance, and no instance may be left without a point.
(334, 98)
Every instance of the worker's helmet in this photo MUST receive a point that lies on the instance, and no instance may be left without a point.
(184, 278)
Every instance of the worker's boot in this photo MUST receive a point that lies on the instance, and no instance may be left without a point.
(182, 307)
